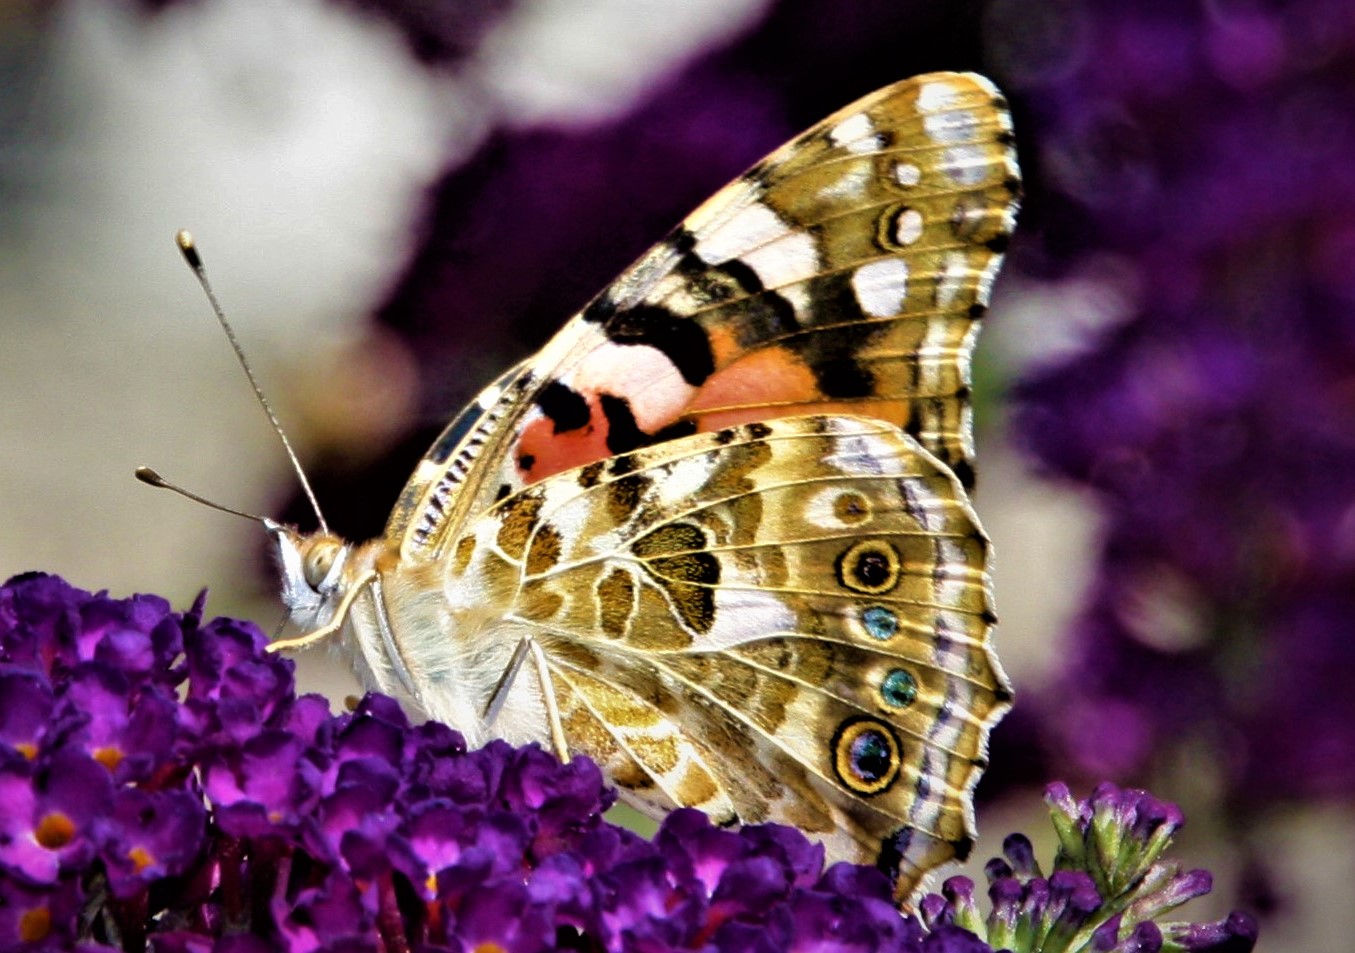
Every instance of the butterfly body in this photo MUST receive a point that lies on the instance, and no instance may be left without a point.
(716, 535)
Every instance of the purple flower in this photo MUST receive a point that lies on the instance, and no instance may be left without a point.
(151, 836)
(31, 915)
(360, 831)
(131, 737)
(26, 716)
(52, 808)
(1108, 888)
(258, 814)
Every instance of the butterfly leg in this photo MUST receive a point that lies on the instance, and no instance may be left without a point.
(335, 624)
(393, 654)
(526, 646)
(510, 672)
(557, 728)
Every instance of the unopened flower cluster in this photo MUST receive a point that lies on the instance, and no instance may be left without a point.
(1108, 890)
(162, 787)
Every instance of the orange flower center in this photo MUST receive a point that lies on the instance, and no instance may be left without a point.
(34, 925)
(110, 758)
(141, 858)
(54, 831)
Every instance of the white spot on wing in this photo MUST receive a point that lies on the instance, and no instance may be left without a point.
(865, 453)
(642, 374)
(819, 509)
(742, 615)
(953, 276)
(935, 96)
(966, 165)
(682, 480)
(751, 227)
(933, 354)
(907, 174)
(947, 128)
(881, 286)
(855, 134)
(967, 424)
(792, 258)
(778, 254)
(908, 227)
(489, 397)
(986, 280)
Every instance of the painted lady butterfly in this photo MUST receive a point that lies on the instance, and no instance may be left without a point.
(716, 534)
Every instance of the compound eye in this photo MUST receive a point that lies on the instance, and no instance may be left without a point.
(319, 561)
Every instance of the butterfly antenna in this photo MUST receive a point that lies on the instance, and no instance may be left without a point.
(151, 478)
(190, 253)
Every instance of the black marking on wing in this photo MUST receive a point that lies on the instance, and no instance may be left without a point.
(831, 354)
(892, 851)
(844, 377)
(681, 240)
(623, 433)
(565, 407)
(600, 309)
(756, 314)
(963, 846)
(681, 339)
(964, 472)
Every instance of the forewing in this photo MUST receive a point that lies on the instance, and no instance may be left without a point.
(784, 621)
(843, 274)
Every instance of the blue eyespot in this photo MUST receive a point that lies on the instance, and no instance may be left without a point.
(880, 622)
(899, 688)
(866, 755)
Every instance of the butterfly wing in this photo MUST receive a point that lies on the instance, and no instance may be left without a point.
(784, 621)
(842, 274)
(726, 501)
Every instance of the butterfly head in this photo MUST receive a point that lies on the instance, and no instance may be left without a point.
(313, 566)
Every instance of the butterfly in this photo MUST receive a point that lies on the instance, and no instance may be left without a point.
(716, 535)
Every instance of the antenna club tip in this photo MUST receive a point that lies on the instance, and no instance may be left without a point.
(184, 239)
(147, 475)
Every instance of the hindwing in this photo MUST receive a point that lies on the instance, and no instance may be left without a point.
(784, 621)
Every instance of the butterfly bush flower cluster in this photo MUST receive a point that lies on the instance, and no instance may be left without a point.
(163, 787)
(1107, 890)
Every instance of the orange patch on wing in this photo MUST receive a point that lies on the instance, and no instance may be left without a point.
(771, 382)
(767, 383)
(724, 347)
(541, 452)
